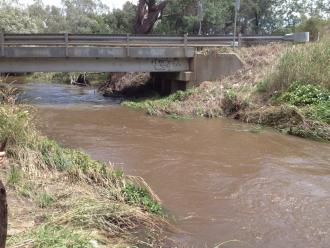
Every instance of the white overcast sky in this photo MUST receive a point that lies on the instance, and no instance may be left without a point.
(110, 3)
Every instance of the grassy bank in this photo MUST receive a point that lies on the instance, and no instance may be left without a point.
(60, 197)
(282, 85)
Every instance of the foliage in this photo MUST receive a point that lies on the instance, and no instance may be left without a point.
(140, 196)
(319, 111)
(314, 100)
(16, 20)
(300, 94)
(179, 17)
(315, 26)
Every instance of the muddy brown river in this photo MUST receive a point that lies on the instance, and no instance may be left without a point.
(223, 184)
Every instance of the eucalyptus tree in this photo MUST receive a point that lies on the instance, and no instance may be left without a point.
(15, 18)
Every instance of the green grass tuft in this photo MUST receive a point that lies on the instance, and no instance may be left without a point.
(44, 200)
(14, 177)
(140, 196)
(54, 236)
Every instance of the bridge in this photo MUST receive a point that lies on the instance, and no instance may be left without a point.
(174, 58)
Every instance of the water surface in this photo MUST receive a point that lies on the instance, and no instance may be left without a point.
(220, 181)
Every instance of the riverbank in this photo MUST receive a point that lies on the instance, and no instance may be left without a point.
(60, 197)
(284, 86)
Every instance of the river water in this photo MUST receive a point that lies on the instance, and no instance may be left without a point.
(223, 183)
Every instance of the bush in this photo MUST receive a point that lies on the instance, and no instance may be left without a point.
(315, 27)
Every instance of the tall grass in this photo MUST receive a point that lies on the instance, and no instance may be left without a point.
(109, 208)
(308, 64)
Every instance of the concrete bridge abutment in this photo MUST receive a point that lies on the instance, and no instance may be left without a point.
(203, 67)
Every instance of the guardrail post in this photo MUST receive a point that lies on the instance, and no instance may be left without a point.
(127, 45)
(2, 44)
(185, 45)
(66, 36)
(239, 39)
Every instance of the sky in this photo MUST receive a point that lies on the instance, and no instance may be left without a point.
(110, 3)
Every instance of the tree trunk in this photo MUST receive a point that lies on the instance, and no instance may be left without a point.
(147, 15)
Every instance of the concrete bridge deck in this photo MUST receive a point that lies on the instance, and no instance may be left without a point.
(175, 57)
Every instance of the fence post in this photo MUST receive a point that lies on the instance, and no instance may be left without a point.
(66, 37)
(2, 44)
(239, 39)
(127, 45)
(186, 45)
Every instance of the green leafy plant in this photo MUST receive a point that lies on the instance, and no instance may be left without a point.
(300, 94)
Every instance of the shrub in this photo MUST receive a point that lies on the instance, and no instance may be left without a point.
(313, 25)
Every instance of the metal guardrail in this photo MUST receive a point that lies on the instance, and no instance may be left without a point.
(13, 40)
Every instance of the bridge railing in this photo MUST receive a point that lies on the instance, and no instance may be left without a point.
(7, 40)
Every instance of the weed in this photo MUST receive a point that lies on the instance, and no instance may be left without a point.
(300, 94)
(118, 173)
(26, 189)
(141, 196)
(262, 86)
(319, 112)
(44, 199)
(14, 176)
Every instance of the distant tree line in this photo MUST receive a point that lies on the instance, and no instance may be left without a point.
(178, 17)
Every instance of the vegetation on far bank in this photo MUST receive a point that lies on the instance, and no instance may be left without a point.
(282, 85)
(60, 197)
